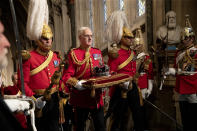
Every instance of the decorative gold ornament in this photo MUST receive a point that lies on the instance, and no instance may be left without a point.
(47, 32)
(127, 32)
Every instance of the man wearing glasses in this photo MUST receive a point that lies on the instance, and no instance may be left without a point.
(82, 61)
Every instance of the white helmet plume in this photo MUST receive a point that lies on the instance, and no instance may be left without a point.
(38, 15)
(114, 26)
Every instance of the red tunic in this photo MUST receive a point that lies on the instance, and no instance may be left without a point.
(129, 69)
(11, 90)
(83, 98)
(143, 79)
(42, 79)
(186, 84)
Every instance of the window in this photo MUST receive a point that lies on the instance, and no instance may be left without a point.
(91, 15)
(141, 4)
(91, 20)
(105, 10)
(121, 4)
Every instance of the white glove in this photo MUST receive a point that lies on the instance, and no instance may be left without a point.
(150, 88)
(171, 71)
(126, 85)
(17, 105)
(79, 85)
(40, 103)
(140, 55)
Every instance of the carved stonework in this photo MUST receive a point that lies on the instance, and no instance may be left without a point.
(57, 7)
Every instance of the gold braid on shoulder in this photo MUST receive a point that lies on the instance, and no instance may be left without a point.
(76, 61)
(86, 60)
(189, 58)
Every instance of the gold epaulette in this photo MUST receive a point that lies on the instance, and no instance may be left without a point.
(72, 81)
(25, 54)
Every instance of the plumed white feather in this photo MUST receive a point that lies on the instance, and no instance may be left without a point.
(114, 26)
(38, 14)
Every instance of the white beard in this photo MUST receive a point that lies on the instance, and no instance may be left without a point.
(172, 25)
(3, 59)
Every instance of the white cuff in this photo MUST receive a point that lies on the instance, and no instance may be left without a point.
(140, 55)
(79, 85)
(126, 85)
(17, 105)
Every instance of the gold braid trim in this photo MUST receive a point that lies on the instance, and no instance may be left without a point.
(43, 65)
(126, 62)
(92, 68)
(76, 61)
(124, 47)
(86, 59)
(72, 81)
(87, 65)
(189, 57)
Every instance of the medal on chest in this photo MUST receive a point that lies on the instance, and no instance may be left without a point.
(56, 63)
(97, 56)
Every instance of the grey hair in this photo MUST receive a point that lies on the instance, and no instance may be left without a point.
(81, 30)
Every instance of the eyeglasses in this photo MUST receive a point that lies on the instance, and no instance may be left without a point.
(87, 36)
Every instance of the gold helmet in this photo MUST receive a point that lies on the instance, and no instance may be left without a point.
(37, 20)
(139, 42)
(138, 36)
(187, 30)
(46, 32)
(127, 33)
(116, 27)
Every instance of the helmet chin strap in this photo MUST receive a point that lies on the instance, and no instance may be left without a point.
(42, 49)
